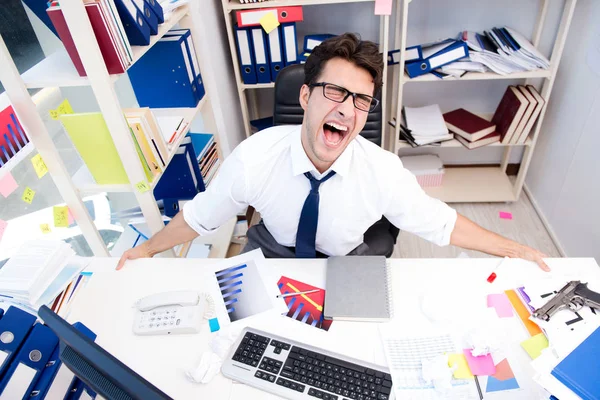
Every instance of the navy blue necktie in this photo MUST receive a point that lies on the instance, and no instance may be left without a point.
(307, 227)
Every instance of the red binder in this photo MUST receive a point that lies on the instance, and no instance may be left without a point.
(284, 14)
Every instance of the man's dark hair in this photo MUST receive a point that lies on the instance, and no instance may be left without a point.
(362, 53)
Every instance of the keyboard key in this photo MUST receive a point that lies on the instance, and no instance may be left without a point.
(384, 390)
(287, 374)
(277, 350)
(383, 397)
(387, 383)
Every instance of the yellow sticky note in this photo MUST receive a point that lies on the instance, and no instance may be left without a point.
(459, 361)
(61, 217)
(39, 165)
(142, 187)
(535, 344)
(269, 22)
(28, 195)
(45, 228)
(63, 108)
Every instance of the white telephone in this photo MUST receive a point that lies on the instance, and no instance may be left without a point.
(172, 313)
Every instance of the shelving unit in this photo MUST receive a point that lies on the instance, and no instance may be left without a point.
(248, 94)
(57, 70)
(480, 184)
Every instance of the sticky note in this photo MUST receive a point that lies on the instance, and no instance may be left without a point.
(535, 344)
(142, 186)
(480, 365)
(505, 215)
(500, 302)
(61, 216)
(503, 379)
(45, 228)
(459, 361)
(39, 165)
(213, 323)
(63, 108)
(71, 219)
(3, 225)
(269, 22)
(8, 184)
(28, 195)
(383, 7)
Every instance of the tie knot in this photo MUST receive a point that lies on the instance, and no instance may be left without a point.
(315, 183)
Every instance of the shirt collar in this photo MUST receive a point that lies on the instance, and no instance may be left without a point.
(301, 163)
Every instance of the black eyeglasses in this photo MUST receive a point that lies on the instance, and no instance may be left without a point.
(339, 94)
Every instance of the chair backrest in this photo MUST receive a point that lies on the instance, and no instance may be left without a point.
(287, 109)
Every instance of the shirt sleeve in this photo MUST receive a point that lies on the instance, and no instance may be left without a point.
(412, 210)
(224, 198)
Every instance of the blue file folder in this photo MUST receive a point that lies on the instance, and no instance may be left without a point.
(290, 47)
(136, 28)
(312, 41)
(17, 323)
(261, 57)
(148, 15)
(182, 179)
(161, 78)
(246, 56)
(451, 53)
(157, 9)
(187, 46)
(275, 52)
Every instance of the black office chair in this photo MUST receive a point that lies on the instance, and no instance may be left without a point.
(381, 236)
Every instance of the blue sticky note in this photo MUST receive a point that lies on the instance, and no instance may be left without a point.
(213, 323)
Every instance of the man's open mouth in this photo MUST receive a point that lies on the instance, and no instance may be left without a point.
(334, 133)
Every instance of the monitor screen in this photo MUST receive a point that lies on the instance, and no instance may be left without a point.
(97, 368)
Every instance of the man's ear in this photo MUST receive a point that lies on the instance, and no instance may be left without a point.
(304, 95)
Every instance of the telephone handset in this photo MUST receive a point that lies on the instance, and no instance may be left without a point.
(172, 313)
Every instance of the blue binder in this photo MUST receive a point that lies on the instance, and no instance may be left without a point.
(148, 15)
(450, 54)
(246, 56)
(290, 47)
(136, 28)
(413, 53)
(182, 179)
(28, 363)
(312, 41)
(275, 53)
(192, 62)
(17, 323)
(157, 9)
(161, 78)
(261, 57)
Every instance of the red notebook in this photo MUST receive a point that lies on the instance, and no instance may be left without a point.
(468, 125)
(484, 141)
(509, 113)
(108, 48)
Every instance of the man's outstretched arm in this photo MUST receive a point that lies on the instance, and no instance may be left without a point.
(469, 235)
(176, 232)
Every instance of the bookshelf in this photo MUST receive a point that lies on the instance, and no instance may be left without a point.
(57, 70)
(480, 184)
(248, 93)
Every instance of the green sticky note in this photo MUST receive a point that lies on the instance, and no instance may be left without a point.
(535, 344)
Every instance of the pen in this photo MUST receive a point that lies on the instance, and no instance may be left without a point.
(297, 293)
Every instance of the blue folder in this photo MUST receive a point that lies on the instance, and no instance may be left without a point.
(192, 61)
(312, 41)
(290, 47)
(34, 354)
(275, 52)
(451, 53)
(182, 179)
(261, 56)
(148, 15)
(17, 323)
(161, 78)
(246, 56)
(136, 28)
(157, 9)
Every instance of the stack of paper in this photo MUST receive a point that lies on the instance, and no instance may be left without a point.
(425, 125)
(38, 272)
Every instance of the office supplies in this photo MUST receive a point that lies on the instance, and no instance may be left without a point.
(505, 215)
(358, 289)
(393, 57)
(188, 47)
(534, 345)
(509, 112)
(504, 378)
(468, 125)
(298, 293)
(275, 52)
(172, 313)
(263, 73)
(574, 296)
(459, 362)
(427, 168)
(249, 18)
(308, 308)
(246, 55)
(171, 127)
(267, 362)
(427, 121)
(290, 47)
(493, 274)
(136, 28)
(149, 127)
(312, 41)
(579, 369)
(157, 9)
(522, 312)
(28, 363)
(15, 325)
(500, 303)
(102, 372)
(201, 143)
(531, 106)
(182, 178)
(148, 15)
(269, 22)
(480, 365)
(455, 51)
(7, 184)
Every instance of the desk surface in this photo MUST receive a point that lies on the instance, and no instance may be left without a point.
(105, 307)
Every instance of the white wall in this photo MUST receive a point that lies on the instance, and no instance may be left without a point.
(564, 178)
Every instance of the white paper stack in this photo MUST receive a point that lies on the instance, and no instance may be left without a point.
(426, 124)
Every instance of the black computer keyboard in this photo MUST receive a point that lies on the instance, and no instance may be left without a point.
(296, 370)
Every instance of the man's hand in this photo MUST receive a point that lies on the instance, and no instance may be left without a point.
(527, 253)
(141, 251)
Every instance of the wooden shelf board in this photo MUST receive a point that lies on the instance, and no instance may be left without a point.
(243, 86)
(480, 76)
(235, 4)
(57, 70)
(475, 184)
(456, 143)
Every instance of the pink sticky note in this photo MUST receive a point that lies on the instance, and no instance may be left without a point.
(383, 7)
(7, 184)
(505, 215)
(481, 365)
(501, 303)
(71, 219)
(3, 225)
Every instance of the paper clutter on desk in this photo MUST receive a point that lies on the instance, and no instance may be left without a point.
(480, 365)
(501, 304)
(535, 344)
(503, 379)
(437, 372)
(459, 366)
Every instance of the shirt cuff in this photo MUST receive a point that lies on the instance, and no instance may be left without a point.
(449, 227)
(190, 217)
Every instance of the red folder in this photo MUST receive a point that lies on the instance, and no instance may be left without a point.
(284, 14)
(107, 47)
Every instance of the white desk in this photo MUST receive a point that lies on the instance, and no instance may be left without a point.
(105, 307)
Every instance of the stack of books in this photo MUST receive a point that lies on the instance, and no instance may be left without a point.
(517, 113)
(424, 125)
(149, 138)
(42, 273)
(471, 130)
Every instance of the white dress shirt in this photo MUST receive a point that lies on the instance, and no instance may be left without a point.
(267, 170)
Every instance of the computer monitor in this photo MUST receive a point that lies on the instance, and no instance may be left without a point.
(97, 368)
